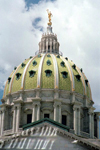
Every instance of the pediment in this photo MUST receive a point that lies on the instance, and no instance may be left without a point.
(45, 135)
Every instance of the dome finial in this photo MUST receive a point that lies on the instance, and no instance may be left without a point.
(49, 16)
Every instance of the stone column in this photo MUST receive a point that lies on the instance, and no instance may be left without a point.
(14, 119)
(98, 127)
(33, 114)
(38, 112)
(46, 45)
(2, 125)
(75, 119)
(17, 118)
(51, 45)
(59, 113)
(78, 123)
(55, 112)
(90, 124)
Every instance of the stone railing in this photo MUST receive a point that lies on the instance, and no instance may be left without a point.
(84, 134)
(55, 52)
(7, 132)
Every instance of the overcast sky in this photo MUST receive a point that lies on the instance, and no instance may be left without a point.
(76, 23)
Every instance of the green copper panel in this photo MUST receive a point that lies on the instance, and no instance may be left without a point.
(31, 82)
(47, 82)
(64, 83)
(78, 84)
(16, 86)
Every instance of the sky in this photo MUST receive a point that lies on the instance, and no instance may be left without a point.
(76, 23)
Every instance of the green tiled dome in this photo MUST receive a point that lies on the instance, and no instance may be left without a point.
(47, 71)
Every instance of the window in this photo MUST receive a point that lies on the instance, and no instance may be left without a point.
(9, 79)
(32, 73)
(34, 63)
(58, 56)
(66, 58)
(64, 74)
(46, 115)
(48, 73)
(49, 48)
(22, 65)
(48, 62)
(74, 67)
(15, 68)
(30, 57)
(62, 64)
(64, 119)
(78, 77)
(29, 118)
(86, 82)
(18, 76)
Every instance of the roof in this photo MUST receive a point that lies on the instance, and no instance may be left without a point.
(47, 71)
(48, 120)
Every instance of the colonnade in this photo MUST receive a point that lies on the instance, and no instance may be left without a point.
(57, 117)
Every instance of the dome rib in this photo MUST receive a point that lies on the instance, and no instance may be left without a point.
(55, 72)
(71, 73)
(24, 73)
(40, 71)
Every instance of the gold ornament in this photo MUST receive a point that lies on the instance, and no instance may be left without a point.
(49, 16)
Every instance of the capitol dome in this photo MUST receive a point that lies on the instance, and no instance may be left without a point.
(48, 71)
(45, 95)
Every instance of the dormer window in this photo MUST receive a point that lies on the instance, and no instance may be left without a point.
(48, 55)
(64, 74)
(48, 73)
(74, 67)
(9, 79)
(58, 56)
(32, 73)
(78, 77)
(18, 76)
(34, 63)
(48, 62)
(62, 64)
(22, 65)
(86, 82)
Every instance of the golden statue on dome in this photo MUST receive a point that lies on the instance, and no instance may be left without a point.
(49, 16)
